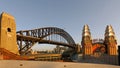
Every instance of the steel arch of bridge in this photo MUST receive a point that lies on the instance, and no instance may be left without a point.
(30, 37)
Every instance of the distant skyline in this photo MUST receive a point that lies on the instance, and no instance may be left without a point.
(70, 15)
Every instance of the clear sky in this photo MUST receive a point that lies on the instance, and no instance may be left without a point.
(70, 15)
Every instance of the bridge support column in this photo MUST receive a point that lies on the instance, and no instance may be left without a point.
(8, 33)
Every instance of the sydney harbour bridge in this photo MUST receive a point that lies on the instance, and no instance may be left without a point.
(15, 44)
(25, 39)
(48, 35)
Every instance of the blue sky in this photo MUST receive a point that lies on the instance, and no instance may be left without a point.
(70, 15)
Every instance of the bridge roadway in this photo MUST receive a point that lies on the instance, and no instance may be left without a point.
(42, 40)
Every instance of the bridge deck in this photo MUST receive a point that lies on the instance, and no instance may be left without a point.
(19, 37)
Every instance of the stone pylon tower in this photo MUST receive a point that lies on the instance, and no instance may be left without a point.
(8, 33)
(110, 40)
(86, 41)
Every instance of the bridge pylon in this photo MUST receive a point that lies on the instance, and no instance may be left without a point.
(8, 33)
